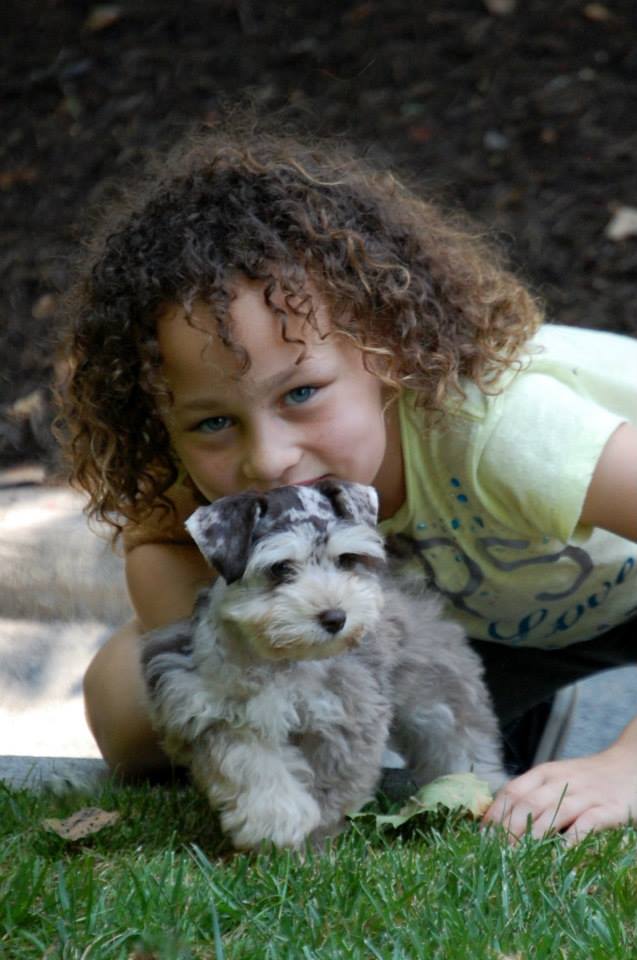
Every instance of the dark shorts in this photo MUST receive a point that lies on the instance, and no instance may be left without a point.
(523, 682)
(520, 678)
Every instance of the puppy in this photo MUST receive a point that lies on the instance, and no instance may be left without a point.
(303, 662)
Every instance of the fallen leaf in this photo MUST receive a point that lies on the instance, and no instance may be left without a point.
(419, 134)
(500, 8)
(597, 12)
(359, 13)
(548, 135)
(102, 16)
(622, 224)
(456, 791)
(44, 307)
(82, 823)
(28, 406)
(9, 178)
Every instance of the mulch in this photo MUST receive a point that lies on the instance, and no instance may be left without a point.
(521, 113)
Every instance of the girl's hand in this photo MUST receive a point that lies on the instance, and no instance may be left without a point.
(572, 797)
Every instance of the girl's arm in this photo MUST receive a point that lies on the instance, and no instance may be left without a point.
(164, 580)
(587, 793)
(165, 571)
(611, 501)
(164, 568)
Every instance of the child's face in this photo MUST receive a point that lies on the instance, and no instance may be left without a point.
(281, 421)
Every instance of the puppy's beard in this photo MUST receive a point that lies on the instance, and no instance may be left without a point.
(286, 647)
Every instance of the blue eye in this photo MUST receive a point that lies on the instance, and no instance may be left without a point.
(213, 424)
(300, 395)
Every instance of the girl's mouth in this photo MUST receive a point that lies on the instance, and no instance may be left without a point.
(308, 483)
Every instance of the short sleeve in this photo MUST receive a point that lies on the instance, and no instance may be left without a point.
(540, 453)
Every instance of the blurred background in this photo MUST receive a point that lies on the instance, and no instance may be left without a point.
(522, 113)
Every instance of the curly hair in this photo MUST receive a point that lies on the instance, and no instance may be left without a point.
(402, 278)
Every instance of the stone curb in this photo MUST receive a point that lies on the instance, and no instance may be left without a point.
(57, 774)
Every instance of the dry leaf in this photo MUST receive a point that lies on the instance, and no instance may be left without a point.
(44, 307)
(102, 17)
(419, 134)
(548, 135)
(359, 12)
(500, 8)
(457, 791)
(597, 12)
(623, 224)
(27, 406)
(82, 823)
(9, 178)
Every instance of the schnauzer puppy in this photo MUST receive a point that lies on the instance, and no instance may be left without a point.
(303, 662)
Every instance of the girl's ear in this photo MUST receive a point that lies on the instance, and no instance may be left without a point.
(351, 501)
(223, 532)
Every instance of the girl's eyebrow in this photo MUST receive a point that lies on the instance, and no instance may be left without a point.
(275, 382)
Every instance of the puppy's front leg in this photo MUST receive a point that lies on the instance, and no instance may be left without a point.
(346, 754)
(259, 788)
(347, 772)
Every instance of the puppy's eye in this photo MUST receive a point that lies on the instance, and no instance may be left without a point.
(281, 572)
(347, 561)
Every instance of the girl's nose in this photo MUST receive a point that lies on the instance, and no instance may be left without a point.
(270, 454)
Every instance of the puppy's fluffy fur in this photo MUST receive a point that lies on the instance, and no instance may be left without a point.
(303, 662)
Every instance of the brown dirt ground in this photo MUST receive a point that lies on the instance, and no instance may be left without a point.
(527, 120)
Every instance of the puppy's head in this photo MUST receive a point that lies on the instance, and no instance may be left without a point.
(227, 530)
(300, 564)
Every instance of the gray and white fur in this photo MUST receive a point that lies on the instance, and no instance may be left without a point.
(303, 662)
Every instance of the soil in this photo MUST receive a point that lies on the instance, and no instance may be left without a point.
(524, 118)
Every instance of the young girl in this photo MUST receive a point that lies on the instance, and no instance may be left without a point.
(258, 313)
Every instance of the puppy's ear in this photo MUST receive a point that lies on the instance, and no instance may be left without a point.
(351, 501)
(223, 532)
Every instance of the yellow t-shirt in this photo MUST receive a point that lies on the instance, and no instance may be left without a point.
(494, 495)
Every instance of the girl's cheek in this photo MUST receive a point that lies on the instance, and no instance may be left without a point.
(214, 475)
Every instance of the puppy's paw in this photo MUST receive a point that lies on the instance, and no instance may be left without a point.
(285, 821)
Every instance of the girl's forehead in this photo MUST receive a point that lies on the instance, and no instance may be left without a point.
(255, 328)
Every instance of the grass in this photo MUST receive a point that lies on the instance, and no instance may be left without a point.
(162, 885)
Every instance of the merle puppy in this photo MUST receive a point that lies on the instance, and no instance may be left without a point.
(303, 662)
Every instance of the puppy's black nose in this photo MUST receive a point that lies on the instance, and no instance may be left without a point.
(332, 620)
